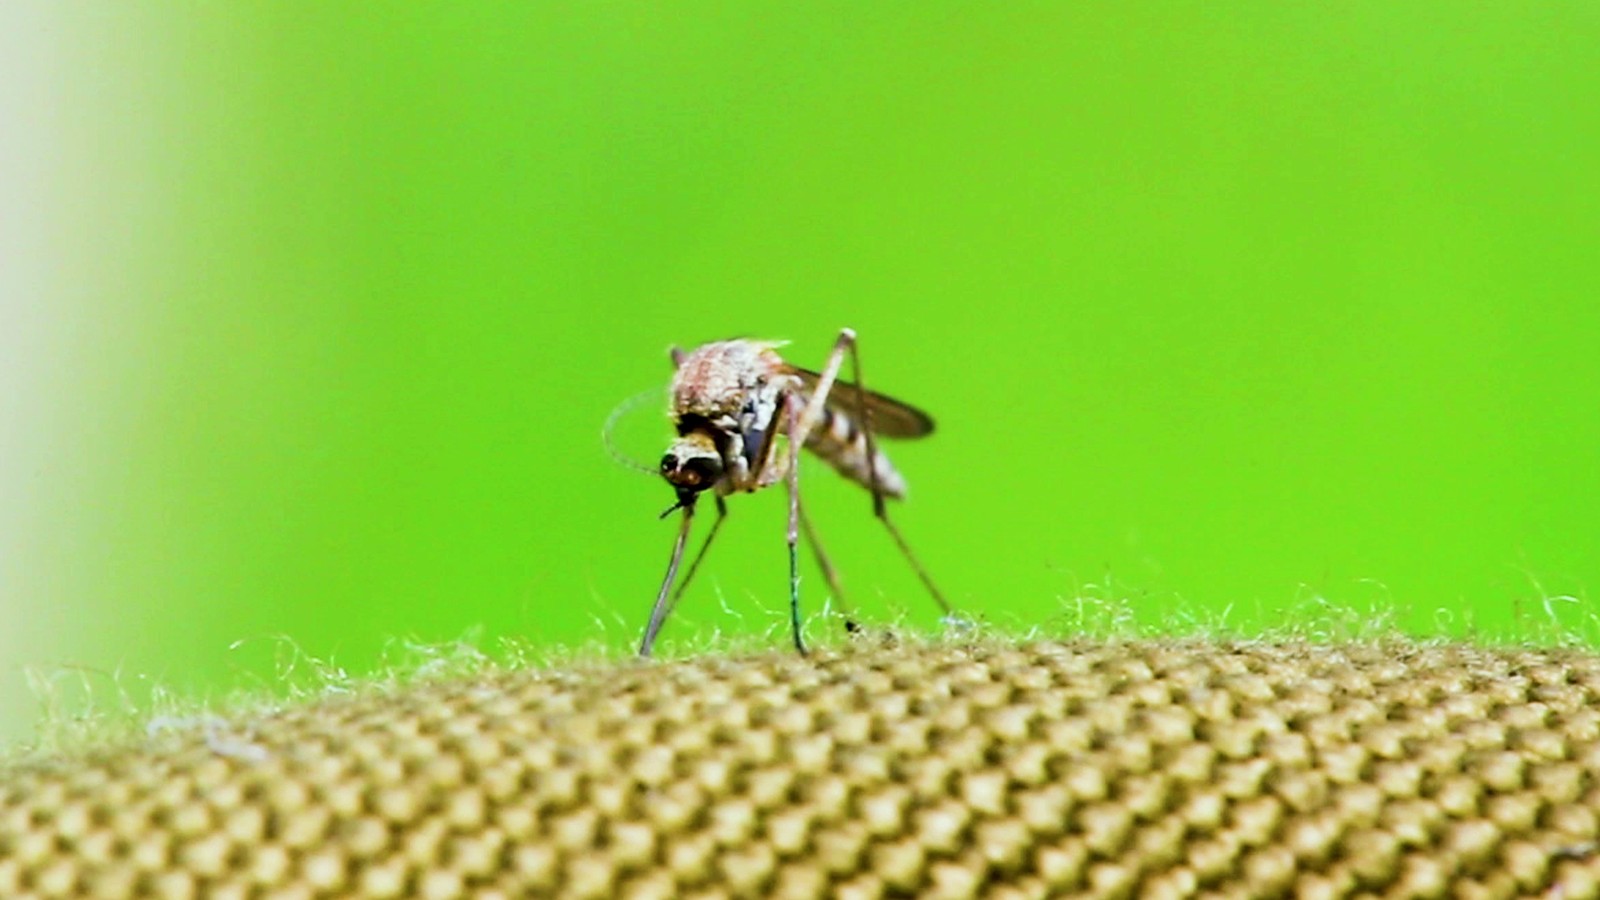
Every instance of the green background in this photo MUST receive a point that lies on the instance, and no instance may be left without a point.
(1226, 312)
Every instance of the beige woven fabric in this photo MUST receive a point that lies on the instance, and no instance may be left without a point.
(1146, 769)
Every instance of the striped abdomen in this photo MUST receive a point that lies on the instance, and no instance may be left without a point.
(838, 438)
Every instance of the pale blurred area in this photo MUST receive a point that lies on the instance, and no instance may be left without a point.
(32, 349)
(63, 243)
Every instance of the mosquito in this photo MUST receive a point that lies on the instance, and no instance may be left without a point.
(742, 414)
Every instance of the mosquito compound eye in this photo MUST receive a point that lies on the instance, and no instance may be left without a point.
(694, 473)
(704, 469)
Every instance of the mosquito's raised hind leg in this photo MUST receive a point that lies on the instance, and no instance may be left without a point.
(812, 414)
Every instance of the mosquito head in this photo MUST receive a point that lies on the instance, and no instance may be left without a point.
(691, 465)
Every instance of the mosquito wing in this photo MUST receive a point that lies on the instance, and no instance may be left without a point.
(890, 417)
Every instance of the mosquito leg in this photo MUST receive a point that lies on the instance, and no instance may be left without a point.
(694, 565)
(847, 340)
(828, 572)
(916, 566)
(658, 613)
(812, 414)
(794, 416)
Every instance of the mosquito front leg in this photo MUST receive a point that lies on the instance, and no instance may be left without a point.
(694, 565)
(793, 415)
(658, 612)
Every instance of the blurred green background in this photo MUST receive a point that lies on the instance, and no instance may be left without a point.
(1223, 311)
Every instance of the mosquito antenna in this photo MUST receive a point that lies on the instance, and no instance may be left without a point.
(606, 433)
(658, 613)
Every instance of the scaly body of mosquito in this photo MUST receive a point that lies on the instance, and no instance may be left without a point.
(742, 412)
(726, 399)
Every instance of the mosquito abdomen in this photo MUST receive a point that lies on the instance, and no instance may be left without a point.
(839, 440)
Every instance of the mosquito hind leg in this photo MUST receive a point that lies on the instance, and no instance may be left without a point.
(812, 413)
(949, 613)
(847, 341)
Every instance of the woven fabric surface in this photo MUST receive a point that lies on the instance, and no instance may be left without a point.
(990, 769)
